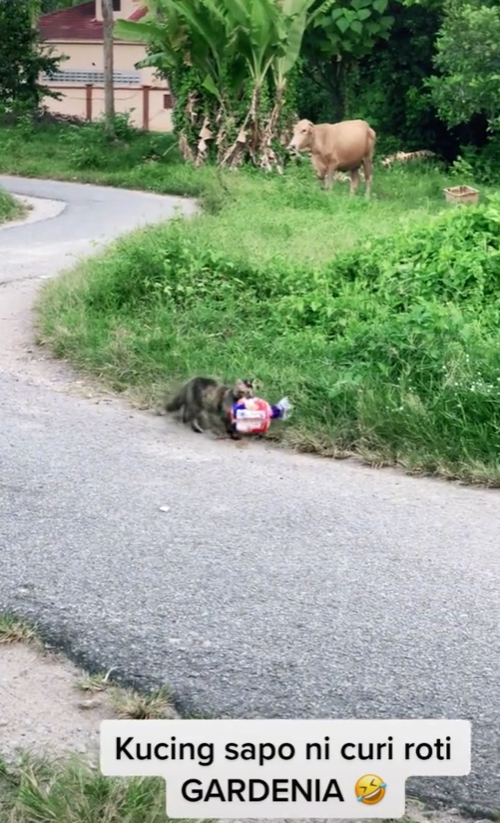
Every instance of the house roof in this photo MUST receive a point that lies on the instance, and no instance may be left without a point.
(76, 23)
(138, 13)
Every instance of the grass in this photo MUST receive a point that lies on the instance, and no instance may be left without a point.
(94, 683)
(72, 791)
(10, 208)
(16, 630)
(134, 160)
(377, 319)
(124, 332)
(133, 705)
(128, 703)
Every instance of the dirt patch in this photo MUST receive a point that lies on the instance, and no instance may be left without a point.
(22, 357)
(43, 710)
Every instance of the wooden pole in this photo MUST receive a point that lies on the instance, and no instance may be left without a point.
(109, 95)
(88, 101)
(145, 107)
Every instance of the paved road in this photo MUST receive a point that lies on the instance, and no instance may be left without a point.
(306, 589)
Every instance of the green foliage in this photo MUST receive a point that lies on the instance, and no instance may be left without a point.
(468, 63)
(340, 36)
(389, 85)
(351, 28)
(480, 164)
(90, 145)
(47, 6)
(22, 58)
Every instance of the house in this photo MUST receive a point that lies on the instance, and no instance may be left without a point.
(77, 33)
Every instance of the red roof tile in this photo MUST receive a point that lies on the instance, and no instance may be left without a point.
(76, 23)
(138, 13)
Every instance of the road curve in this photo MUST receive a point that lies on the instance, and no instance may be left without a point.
(308, 588)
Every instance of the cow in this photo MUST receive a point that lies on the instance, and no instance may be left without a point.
(344, 146)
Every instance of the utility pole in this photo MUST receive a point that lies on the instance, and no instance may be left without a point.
(109, 92)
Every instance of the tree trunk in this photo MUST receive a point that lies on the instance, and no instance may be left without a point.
(109, 94)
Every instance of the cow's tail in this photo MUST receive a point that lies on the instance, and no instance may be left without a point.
(372, 139)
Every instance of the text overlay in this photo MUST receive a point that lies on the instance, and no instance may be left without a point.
(285, 768)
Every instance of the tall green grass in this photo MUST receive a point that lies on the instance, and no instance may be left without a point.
(378, 319)
(72, 791)
(10, 208)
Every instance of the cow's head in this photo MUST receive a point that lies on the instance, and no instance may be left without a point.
(302, 136)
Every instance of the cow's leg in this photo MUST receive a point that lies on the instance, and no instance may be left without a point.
(319, 168)
(321, 178)
(332, 168)
(368, 169)
(354, 181)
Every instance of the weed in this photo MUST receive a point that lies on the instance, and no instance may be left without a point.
(127, 703)
(132, 705)
(72, 791)
(16, 630)
(10, 208)
(94, 683)
(130, 159)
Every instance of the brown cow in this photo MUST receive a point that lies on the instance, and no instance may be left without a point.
(344, 146)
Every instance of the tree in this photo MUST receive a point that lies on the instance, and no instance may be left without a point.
(339, 38)
(468, 63)
(109, 87)
(389, 86)
(229, 63)
(23, 58)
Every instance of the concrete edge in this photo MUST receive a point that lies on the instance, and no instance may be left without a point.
(40, 208)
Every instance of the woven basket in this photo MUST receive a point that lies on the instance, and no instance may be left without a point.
(461, 194)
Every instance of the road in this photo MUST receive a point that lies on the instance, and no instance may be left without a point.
(308, 588)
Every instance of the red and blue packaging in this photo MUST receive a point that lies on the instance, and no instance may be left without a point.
(253, 415)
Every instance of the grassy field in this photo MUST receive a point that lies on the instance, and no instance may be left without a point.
(378, 319)
(10, 208)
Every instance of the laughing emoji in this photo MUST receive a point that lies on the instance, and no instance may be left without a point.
(370, 789)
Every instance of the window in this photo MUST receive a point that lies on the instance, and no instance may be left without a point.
(75, 78)
(117, 5)
(167, 101)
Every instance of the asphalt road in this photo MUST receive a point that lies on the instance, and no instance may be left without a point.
(275, 585)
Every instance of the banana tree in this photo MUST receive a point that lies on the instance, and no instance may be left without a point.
(195, 35)
(295, 18)
(269, 37)
(237, 49)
